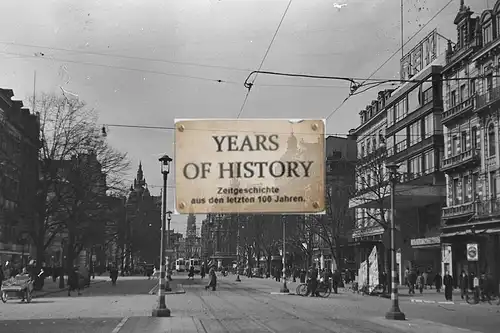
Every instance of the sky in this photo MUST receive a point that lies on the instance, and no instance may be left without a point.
(148, 62)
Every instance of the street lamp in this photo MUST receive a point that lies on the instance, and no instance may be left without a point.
(161, 310)
(394, 312)
(167, 281)
(284, 288)
(238, 248)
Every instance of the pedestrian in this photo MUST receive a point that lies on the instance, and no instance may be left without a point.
(312, 285)
(420, 283)
(464, 285)
(426, 278)
(438, 282)
(191, 273)
(412, 280)
(202, 271)
(212, 279)
(448, 286)
(74, 283)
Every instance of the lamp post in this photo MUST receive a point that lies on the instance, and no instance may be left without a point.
(238, 248)
(161, 310)
(167, 280)
(394, 312)
(284, 288)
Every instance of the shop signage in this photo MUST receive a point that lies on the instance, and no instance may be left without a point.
(94, 258)
(472, 252)
(420, 56)
(250, 166)
(425, 241)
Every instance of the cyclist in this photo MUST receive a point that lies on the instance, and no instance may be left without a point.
(312, 281)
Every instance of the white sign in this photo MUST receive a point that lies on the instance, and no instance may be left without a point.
(425, 241)
(219, 162)
(423, 54)
(472, 252)
(94, 258)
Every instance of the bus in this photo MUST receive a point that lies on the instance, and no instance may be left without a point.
(180, 265)
(196, 263)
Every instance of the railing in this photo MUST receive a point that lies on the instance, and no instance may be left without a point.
(458, 109)
(459, 210)
(487, 98)
(488, 207)
(462, 158)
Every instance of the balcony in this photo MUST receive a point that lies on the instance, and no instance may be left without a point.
(459, 110)
(488, 208)
(490, 97)
(462, 210)
(468, 158)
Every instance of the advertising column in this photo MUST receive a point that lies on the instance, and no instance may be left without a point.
(446, 259)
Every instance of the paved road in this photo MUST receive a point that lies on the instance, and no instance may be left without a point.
(248, 306)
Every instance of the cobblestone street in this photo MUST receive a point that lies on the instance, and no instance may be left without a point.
(247, 306)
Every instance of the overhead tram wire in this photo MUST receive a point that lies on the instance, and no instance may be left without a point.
(225, 130)
(393, 55)
(249, 86)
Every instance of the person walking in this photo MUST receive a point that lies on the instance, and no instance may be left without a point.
(448, 286)
(464, 285)
(212, 279)
(438, 282)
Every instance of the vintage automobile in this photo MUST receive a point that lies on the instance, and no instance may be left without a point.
(20, 286)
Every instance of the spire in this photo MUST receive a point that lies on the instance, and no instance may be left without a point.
(140, 174)
(462, 5)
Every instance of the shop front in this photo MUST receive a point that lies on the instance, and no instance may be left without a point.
(426, 254)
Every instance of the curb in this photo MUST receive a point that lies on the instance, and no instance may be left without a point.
(42, 294)
(414, 300)
(180, 290)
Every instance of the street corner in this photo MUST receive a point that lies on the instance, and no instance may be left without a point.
(416, 325)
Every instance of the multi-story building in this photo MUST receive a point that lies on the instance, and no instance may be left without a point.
(471, 218)
(341, 159)
(20, 141)
(410, 118)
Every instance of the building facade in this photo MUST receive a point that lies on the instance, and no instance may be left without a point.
(471, 218)
(19, 144)
(403, 127)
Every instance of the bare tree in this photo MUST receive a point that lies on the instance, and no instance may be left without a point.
(77, 169)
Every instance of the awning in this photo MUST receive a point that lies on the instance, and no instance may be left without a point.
(406, 196)
(469, 232)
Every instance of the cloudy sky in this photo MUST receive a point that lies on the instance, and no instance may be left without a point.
(147, 62)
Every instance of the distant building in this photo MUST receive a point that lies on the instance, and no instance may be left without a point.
(19, 144)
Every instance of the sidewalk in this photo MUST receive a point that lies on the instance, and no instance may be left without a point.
(51, 287)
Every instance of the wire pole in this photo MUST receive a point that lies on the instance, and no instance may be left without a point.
(402, 30)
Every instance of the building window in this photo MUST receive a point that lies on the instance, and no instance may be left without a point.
(487, 34)
(492, 147)
(428, 125)
(415, 167)
(400, 109)
(390, 116)
(428, 162)
(493, 184)
(454, 145)
(362, 149)
(427, 96)
(463, 142)
(414, 99)
(368, 147)
(475, 185)
(456, 191)
(401, 140)
(453, 98)
(473, 137)
(472, 86)
(463, 92)
(466, 189)
(374, 142)
(489, 83)
(415, 133)
(390, 145)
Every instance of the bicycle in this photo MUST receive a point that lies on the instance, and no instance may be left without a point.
(477, 298)
(323, 289)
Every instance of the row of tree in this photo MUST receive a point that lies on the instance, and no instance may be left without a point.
(261, 235)
(81, 180)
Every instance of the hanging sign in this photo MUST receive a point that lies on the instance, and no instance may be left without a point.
(250, 166)
(472, 252)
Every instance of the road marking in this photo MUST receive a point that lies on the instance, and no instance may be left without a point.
(154, 289)
(120, 325)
